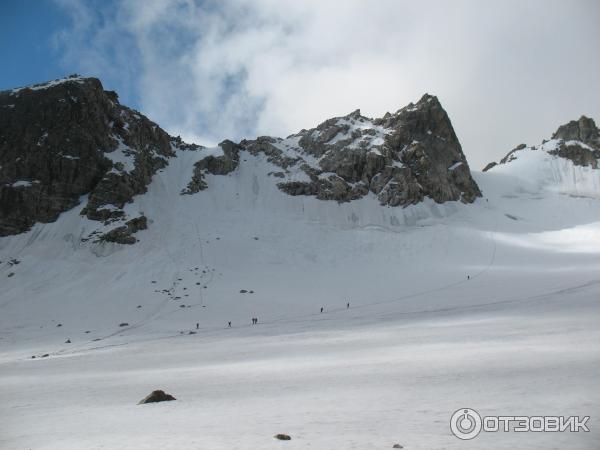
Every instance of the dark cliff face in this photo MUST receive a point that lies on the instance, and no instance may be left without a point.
(577, 141)
(401, 158)
(68, 138)
(580, 142)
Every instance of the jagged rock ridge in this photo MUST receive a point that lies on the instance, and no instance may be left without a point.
(69, 140)
(401, 158)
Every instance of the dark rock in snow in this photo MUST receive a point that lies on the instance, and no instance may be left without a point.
(490, 166)
(156, 396)
(216, 165)
(283, 437)
(124, 234)
(124, 324)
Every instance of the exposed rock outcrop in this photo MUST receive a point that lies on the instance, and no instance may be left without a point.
(225, 160)
(124, 234)
(67, 138)
(401, 158)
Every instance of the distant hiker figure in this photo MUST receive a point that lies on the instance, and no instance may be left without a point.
(468, 277)
(321, 309)
(197, 325)
(229, 324)
(348, 305)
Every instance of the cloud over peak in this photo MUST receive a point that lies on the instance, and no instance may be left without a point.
(506, 71)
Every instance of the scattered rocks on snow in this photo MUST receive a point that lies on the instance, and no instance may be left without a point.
(157, 396)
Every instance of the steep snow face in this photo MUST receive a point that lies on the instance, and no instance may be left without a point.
(567, 164)
(539, 168)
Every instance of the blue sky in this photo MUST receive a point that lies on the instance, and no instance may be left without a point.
(30, 32)
(27, 29)
(506, 71)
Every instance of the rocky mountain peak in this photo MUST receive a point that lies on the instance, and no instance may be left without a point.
(401, 158)
(69, 138)
(583, 130)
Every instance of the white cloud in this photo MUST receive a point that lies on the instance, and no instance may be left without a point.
(506, 72)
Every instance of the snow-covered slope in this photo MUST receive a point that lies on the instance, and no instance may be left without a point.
(450, 306)
(537, 169)
(491, 305)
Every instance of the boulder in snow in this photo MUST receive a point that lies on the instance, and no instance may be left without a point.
(283, 437)
(157, 396)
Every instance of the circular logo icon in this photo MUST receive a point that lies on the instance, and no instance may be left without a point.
(465, 423)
